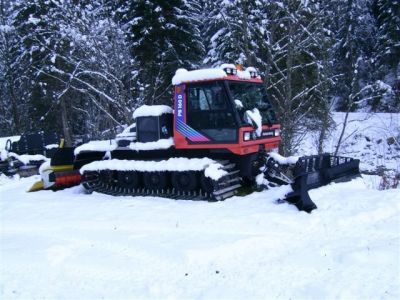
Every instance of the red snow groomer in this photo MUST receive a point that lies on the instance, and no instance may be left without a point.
(219, 137)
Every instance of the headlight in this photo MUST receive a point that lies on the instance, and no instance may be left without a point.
(247, 136)
(277, 132)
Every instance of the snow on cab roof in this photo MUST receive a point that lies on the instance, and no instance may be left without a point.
(246, 74)
(152, 111)
(183, 75)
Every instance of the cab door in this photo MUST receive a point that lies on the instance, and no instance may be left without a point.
(210, 112)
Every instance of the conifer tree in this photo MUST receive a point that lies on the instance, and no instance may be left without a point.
(387, 55)
(388, 19)
(33, 31)
(233, 31)
(355, 40)
(11, 108)
(162, 38)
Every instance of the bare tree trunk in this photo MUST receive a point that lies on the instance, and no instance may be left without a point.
(322, 135)
(343, 130)
(14, 109)
(354, 69)
(287, 114)
(249, 57)
(325, 116)
(65, 126)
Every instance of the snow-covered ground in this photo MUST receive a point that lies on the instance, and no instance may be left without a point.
(69, 245)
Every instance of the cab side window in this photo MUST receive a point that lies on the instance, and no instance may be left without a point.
(209, 112)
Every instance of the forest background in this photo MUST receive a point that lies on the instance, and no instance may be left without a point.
(82, 67)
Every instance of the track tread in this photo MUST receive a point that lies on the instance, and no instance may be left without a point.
(225, 187)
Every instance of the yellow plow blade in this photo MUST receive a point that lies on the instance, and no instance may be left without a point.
(45, 183)
(37, 186)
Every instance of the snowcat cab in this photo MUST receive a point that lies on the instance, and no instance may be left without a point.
(226, 112)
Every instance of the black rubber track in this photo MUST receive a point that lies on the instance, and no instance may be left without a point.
(121, 183)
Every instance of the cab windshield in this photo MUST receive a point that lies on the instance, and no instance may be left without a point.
(252, 95)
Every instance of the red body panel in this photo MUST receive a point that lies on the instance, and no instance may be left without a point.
(240, 148)
(68, 178)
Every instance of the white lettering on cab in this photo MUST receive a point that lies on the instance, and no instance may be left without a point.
(180, 105)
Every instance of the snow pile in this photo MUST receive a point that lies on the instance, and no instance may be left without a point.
(51, 146)
(69, 245)
(5, 180)
(183, 75)
(255, 115)
(33, 20)
(260, 180)
(3, 155)
(290, 160)
(129, 133)
(239, 104)
(3, 140)
(27, 158)
(213, 169)
(44, 166)
(151, 111)
(243, 74)
(384, 87)
(126, 135)
(128, 130)
(251, 69)
(108, 145)
(157, 145)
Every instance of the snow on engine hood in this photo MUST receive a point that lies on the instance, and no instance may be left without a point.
(212, 169)
(152, 111)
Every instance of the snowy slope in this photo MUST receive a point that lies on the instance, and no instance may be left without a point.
(372, 138)
(69, 245)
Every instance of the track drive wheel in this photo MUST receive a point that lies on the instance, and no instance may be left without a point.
(206, 184)
(129, 179)
(105, 176)
(185, 181)
(155, 180)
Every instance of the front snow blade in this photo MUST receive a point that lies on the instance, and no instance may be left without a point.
(318, 170)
